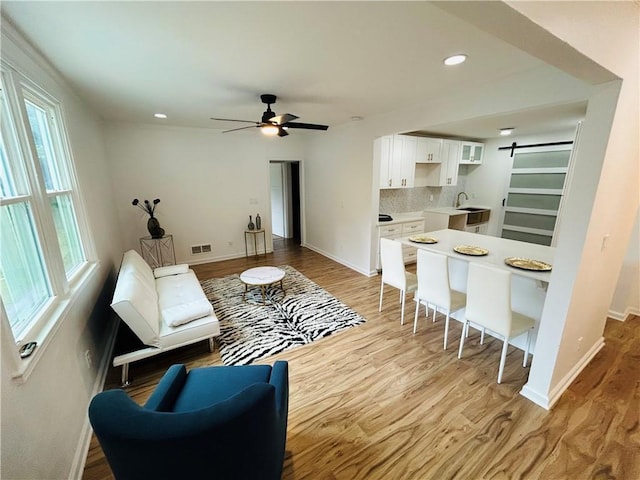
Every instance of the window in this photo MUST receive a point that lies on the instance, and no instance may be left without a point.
(42, 251)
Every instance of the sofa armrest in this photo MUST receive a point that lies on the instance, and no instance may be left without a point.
(165, 394)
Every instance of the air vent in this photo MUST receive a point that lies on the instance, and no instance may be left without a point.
(197, 249)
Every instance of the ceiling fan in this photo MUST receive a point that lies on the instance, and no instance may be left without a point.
(272, 124)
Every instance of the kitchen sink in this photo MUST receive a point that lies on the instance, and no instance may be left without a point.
(471, 209)
(476, 215)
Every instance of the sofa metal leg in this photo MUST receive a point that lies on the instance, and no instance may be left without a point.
(212, 345)
(125, 375)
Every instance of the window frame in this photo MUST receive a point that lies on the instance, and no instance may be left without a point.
(18, 88)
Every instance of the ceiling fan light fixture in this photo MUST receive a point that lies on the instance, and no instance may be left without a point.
(506, 131)
(269, 130)
(455, 59)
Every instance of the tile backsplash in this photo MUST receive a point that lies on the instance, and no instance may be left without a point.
(401, 200)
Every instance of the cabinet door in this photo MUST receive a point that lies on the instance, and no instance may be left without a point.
(451, 171)
(408, 162)
(429, 150)
(382, 153)
(471, 152)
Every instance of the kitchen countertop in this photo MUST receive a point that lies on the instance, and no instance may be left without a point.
(403, 218)
(499, 249)
(453, 210)
(446, 211)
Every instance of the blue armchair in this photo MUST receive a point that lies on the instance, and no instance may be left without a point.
(213, 422)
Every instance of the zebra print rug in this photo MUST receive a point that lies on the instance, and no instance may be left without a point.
(250, 330)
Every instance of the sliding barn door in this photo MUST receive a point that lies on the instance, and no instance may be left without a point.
(534, 197)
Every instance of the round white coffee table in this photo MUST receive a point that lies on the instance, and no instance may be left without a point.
(261, 277)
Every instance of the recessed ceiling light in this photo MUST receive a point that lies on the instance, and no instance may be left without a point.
(455, 59)
(160, 115)
(506, 131)
(356, 118)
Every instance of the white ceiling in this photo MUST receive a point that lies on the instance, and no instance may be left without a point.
(326, 61)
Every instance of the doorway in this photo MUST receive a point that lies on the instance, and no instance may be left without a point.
(285, 203)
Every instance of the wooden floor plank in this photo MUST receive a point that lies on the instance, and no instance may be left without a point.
(378, 402)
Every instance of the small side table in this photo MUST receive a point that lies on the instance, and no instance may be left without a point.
(255, 233)
(262, 277)
(158, 252)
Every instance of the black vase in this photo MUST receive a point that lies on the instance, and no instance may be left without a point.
(153, 225)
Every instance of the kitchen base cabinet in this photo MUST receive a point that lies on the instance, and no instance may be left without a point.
(481, 228)
(397, 230)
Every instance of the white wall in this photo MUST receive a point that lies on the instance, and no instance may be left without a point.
(208, 183)
(626, 298)
(44, 420)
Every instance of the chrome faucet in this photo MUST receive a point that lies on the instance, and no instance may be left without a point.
(466, 197)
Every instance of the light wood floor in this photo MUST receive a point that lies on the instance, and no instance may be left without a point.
(378, 402)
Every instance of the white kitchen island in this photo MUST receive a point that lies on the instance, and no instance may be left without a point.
(528, 288)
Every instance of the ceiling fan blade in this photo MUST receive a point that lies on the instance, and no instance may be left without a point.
(281, 119)
(233, 120)
(305, 126)
(282, 132)
(241, 128)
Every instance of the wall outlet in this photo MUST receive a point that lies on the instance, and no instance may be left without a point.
(230, 243)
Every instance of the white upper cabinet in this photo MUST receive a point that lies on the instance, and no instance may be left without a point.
(429, 150)
(397, 157)
(445, 173)
(470, 153)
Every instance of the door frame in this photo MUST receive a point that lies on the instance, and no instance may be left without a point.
(301, 202)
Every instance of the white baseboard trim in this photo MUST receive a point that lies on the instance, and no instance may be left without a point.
(82, 449)
(336, 259)
(623, 316)
(547, 401)
(211, 259)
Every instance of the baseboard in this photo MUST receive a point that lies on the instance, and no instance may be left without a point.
(623, 316)
(336, 259)
(82, 449)
(548, 401)
(219, 258)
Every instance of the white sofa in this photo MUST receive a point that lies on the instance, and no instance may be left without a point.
(166, 308)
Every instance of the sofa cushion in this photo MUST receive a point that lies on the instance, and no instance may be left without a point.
(201, 328)
(137, 305)
(185, 312)
(181, 299)
(170, 270)
(133, 262)
(206, 386)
